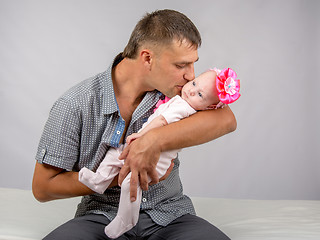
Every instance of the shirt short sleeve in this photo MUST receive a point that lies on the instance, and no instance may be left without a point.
(59, 143)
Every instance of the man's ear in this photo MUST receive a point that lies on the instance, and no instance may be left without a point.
(146, 58)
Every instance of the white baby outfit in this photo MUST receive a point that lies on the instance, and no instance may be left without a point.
(128, 212)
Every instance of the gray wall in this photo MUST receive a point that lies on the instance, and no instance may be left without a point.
(48, 46)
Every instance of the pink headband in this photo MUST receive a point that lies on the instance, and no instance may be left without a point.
(228, 85)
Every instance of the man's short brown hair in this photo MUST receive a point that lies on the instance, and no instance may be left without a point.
(160, 28)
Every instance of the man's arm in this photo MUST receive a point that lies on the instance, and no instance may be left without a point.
(201, 127)
(50, 183)
(143, 154)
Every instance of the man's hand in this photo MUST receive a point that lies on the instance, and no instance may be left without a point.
(141, 158)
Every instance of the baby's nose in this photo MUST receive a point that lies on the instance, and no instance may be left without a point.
(191, 92)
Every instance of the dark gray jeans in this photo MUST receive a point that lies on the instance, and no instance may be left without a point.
(91, 227)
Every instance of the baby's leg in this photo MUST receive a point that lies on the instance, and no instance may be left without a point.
(109, 168)
(128, 212)
(165, 162)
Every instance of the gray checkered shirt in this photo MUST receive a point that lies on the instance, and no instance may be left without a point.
(83, 124)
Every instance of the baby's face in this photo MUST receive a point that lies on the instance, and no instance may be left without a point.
(201, 92)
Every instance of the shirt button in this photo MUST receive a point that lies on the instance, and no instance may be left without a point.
(118, 132)
(144, 199)
(43, 151)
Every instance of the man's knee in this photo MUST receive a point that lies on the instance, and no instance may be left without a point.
(207, 230)
(85, 227)
(190, 227)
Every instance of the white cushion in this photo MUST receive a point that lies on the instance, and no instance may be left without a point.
(22, 217)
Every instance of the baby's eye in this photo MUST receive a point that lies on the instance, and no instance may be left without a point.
(193, 83)
(200, 94)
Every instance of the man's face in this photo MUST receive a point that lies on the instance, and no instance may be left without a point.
(173, 68)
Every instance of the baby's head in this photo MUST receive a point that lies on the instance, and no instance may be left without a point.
(212, 88)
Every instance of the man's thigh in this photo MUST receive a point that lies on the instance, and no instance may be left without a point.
(86, 227)
(189, 227)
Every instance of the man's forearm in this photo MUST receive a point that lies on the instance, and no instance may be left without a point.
(199, 128)
(50, 183)
(64, 185)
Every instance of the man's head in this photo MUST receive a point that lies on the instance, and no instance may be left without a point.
(159, 29)
(164, 47)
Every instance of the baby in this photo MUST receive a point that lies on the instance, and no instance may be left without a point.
(210, 90)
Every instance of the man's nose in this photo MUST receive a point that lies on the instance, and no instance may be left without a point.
(189, 74)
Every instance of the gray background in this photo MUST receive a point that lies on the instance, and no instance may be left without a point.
(48, 46)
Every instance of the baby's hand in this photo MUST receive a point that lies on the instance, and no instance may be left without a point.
(221, 105)
(132, 137)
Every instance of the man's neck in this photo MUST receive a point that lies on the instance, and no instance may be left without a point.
(129, 86)
(129, 81)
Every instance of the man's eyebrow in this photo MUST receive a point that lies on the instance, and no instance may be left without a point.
(185, 62)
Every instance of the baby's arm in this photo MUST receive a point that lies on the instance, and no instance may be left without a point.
(156, 122)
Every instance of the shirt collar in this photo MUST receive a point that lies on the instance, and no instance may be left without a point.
(109, 99)
(110, 104)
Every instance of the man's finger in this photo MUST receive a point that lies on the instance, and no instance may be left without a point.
(124, 153)
(154, 177)
(134, 181)
(144, 180)
(123, 173)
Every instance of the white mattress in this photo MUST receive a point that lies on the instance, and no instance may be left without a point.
(22, 217)
(263, 219)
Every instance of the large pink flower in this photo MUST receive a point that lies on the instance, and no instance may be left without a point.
(228, 86)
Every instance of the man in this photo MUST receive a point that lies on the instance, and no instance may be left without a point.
(100, 112)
